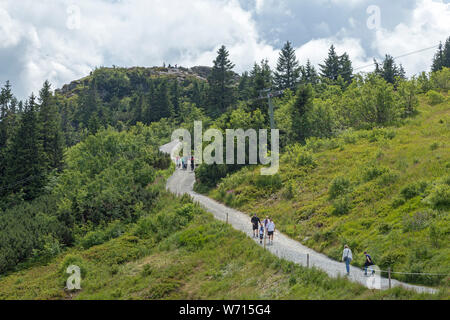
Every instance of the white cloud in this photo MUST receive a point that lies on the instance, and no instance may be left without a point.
(316, 51)
(427, 27)
(36, 43)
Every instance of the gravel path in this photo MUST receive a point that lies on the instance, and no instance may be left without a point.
(182, 182)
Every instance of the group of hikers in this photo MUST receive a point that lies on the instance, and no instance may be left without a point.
(267, 228)
(264, 228)
(183, 162)
(347, 258)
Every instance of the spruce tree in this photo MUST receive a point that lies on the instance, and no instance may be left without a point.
(5, 103)
(221, 89)
(162, 106)
(26, 169)
(5, 129)
(288, 69)
(438, 60)
(345, 68)
(389, 70)
(309, 74)
(331, 67)
(442, 57)
(175, 98)
(261, 78)
(50, 128)
(244, 87)
(446, 59)
(299, 113)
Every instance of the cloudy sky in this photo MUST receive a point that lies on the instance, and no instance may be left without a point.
(63, 40)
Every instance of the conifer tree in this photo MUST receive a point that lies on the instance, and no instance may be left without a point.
(345, 68)
(244, 86)
(261, 78)
(331, 67)
(389, 70)
(162, 106)
(442, 57)
(175, 98)
(309, 74)
(438, 60)
(301, 107)
(288, 69)
(26, 165)
(221, 89)
(49, 125)
(5, 129)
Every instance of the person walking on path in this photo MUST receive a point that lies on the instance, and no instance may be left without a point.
(192, 163)
(261, 233)
(265, 222)
(270, 230)
(347, 258)
(178, 162)
(368, 263)
(255, 224)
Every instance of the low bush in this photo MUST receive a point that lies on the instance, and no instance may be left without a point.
(339, 186)
(373, 171)
(341, 205)
(434, 97)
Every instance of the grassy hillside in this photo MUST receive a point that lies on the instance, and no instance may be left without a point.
(383, 190)
(108, 213)
(177, 251)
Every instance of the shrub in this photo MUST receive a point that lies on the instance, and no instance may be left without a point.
(417, 221)
(341, 205)
(373, 171)
(93, 238)
(387, 178)
(300, 156)
(73, 259)
(413, 190)
(338, 187)
(434, 146)
(271, 183)
(397, 202)
(439, 197)
(289, 192)
(434, 97)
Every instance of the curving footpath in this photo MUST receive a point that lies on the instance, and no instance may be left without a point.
(182, 182)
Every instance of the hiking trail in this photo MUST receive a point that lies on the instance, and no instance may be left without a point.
(182, 182)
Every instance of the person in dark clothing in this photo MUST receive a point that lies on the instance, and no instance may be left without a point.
(192, 164)
(255, 224)
(368, 263)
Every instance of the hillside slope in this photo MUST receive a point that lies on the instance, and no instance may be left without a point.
(203, 259)
(383, 190)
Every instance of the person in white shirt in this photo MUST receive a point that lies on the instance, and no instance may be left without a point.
(270, 230)
(347, 258)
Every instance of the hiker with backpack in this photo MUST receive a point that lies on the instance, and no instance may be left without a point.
(255, 223)
(368, 263)
(347, 258)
